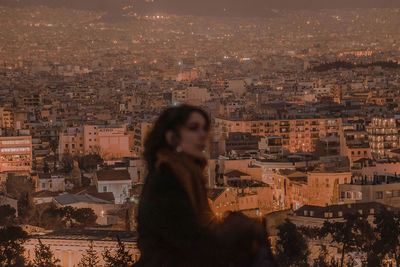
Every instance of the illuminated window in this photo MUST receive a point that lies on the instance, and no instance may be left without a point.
(15, 142)
(17, 149)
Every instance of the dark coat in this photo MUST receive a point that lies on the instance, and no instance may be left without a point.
(172, 234)
(169, 234)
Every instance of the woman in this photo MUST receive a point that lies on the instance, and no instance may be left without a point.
(176, 225)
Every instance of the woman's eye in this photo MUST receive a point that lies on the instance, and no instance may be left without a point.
(193, 127)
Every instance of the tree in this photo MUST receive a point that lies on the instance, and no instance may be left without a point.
(292, 248)
(67, 214)
(54, 146)
(121, 258)
(85, 216)
(25, 206)
(89, 162)
(17, 185)
(68, 162)
(322, 260)
(46, 168)
(7, 215)
(90, 258)
(11, 246)
(52, 218)
(353, 234)
(388, 236)
(44, 257)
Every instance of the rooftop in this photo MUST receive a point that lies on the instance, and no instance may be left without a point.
(235, 173)
(92, 191)
(71, 199)
(113, 175)
(214, 193)
(368, 208)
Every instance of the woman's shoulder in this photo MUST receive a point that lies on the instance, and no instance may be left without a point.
(162, 174)
(162, 180)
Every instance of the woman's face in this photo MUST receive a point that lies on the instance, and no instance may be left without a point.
(194, 136)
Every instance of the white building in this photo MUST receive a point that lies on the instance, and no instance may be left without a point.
(116, 181)
(53, 183)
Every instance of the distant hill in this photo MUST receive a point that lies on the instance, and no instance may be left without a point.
(257, 7)
(245, 8)
(104, 5)
(112, 7)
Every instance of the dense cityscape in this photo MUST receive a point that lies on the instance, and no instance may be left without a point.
(305, 122)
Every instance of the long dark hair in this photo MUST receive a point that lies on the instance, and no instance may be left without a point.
(170, 119)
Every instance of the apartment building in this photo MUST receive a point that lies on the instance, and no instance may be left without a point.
(297, 135)
(16, 154)
(110, 142)
(383, 136)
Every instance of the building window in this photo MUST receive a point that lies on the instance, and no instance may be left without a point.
(342, 195)
(104, 188)
(379, 195)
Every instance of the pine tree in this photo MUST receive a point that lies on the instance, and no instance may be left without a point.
(121, 258)
(90, 258)
(323, 259)
(44, 256)
(11, 246)
(354, 234)
(292, 247)
(388, 233)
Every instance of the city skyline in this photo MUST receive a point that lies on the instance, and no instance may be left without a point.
(238, 8)
(304, 139)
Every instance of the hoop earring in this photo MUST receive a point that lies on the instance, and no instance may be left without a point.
(179, 149)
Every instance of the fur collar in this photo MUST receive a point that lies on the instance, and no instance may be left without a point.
(189, 172)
